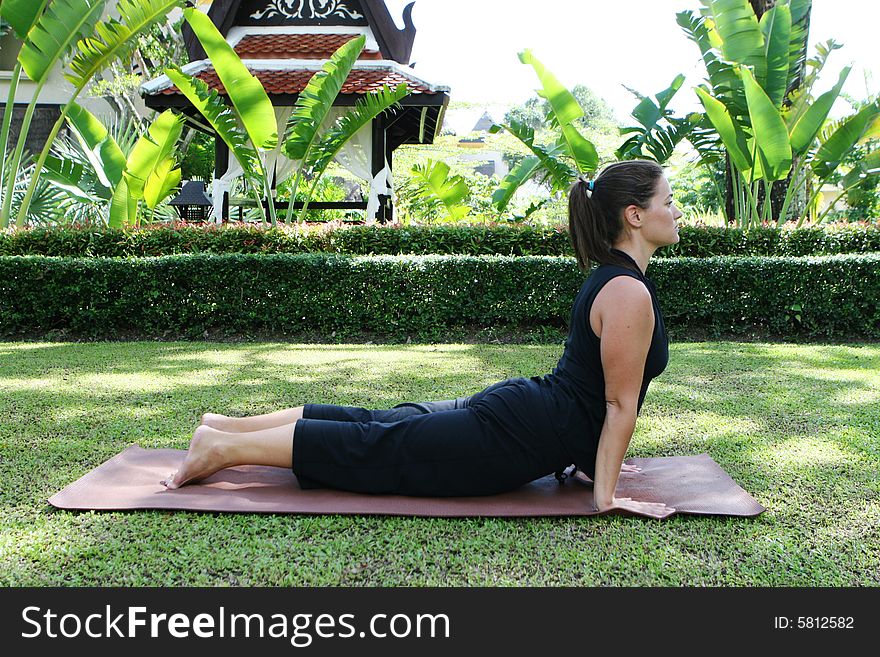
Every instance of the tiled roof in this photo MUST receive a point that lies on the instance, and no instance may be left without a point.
(360, 81)
(296, 46)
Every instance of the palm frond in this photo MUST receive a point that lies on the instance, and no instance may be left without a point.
(435, 185)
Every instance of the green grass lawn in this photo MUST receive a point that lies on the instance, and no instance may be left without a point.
(796, 426)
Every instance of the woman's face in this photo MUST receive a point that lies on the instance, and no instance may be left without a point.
(660, 218)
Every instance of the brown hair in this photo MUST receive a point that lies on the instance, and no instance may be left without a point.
(595, 219)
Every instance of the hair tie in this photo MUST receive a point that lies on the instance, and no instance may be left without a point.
(590, 185)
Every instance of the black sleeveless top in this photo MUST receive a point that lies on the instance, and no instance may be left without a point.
(574, 393)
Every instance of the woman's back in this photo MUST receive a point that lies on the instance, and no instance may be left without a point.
(574, 392)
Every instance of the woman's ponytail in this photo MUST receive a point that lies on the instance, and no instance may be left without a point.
(595, 208)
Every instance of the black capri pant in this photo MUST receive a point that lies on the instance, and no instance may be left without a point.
(493, 441)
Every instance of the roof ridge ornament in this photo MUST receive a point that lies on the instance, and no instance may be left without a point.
(317, 9)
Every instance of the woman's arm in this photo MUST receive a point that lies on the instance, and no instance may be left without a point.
(626, 317)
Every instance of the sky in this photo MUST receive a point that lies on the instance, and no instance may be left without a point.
(472, 46)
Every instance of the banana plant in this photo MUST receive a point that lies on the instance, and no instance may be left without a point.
(148, 173)
(248, 127)
(434, 185)
(66, 27)
(559, 163)
(331, 142)
(312, 107)
(731, 40)
(307, 142)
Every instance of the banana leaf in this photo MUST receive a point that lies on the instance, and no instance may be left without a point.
(244, 90)
(314, 103)
(22, 14)
(805, 131)
(770, 134)
(732, 135)
(151, 150)
(801, 10)
(221, 117)
(560, 174)
(869, 167)
(776, 27)
(101, 149)
(565, 110)
(435, 183)
(123, 207)
(724, 81)
(658, 140)
(162, 182)
(741, 39)
(115, 39)
(51, 38)
(514, 180)
(852, 130)
(69, 176)
(367, 108)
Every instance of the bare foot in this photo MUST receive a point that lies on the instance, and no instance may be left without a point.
(207, 454)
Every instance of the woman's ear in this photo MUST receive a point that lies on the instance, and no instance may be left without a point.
(632, 216)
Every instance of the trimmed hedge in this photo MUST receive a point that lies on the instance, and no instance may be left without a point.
(398, 296)
(420, 240)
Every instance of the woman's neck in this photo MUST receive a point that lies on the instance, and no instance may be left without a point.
(641, 254)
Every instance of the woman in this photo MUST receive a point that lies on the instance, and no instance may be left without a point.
(514, 431)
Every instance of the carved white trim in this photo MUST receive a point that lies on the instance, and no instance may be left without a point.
(307, 9)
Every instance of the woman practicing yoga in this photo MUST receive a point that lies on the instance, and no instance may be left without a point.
(515, 431)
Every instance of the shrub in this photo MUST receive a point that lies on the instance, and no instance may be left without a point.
(500, 239)
(398, 296)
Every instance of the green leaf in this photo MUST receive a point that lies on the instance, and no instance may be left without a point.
(68, 175)
(435, 183)
(659, 140)
(56, 31)
(152, 150)
(580, 149)
(101, 149)
(244, 90)
(514, 180)
(806, 129)
(831, 153)
(162, 182)
(314, 103)
(22, 14)
(732, 135)
(776, 27)
(123, 207)
(565, 110)
(116, 39)
(722, 76)
(563, 104)
(220, 116)
(559, 172)
(348, 125)
(770, 133)
(741, 39)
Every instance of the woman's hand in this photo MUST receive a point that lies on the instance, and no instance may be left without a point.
(626, 467)
(650, 509)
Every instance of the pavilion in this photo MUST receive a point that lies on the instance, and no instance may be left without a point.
(283, 43)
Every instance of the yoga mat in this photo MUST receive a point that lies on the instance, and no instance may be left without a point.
(130, 480)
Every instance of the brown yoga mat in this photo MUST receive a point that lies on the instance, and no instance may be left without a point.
(130, 480)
